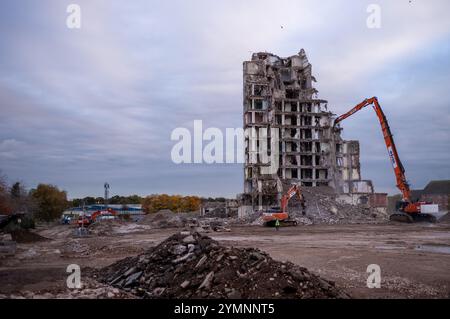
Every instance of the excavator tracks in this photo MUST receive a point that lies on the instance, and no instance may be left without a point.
(412, 218)
(283, 223)
(401, 217)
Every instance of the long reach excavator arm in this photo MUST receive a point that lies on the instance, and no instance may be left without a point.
(399, 170)
(408, 211)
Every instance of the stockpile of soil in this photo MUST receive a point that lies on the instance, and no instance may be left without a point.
(25, 236)
(195, 266)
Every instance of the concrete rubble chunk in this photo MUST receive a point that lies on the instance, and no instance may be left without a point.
(179, 249)
(189, 239)
(132, 278)
(169, 275)
(206, 284)
(129, 272)
(234, 294)
(183, 258)
(201, 261)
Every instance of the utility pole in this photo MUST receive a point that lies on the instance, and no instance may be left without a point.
(106, 195)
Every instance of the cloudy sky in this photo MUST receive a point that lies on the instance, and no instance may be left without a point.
(79, 107)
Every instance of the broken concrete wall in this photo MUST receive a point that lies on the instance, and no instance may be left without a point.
(227, 208)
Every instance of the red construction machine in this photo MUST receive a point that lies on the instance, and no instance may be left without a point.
(85, 220)
(281, 213)
(407, 210)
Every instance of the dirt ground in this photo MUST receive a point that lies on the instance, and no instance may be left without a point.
(414, 259)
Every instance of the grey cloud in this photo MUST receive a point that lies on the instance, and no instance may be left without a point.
(100, 103)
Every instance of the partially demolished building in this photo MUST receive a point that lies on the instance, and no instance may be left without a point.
(283, 113)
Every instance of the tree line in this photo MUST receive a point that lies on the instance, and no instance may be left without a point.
(47, 202)
(114, 200)
(150, 204)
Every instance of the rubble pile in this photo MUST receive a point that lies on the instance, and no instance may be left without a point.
(90, 289)
(322, 207)
(166, 219)
(188, 221)
(104, 227)
(215, 209)
(195, 266)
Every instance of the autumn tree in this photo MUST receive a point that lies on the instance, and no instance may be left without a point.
(176, 203)
(50, 201)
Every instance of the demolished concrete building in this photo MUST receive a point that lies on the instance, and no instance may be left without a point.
(283, 113)
(225, 209)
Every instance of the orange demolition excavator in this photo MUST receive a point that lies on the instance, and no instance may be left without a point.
(407, 210)
(282, 215)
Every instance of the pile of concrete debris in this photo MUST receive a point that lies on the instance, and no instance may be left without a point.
(188, 221)
(104, 227)
(166, 219)
(195, 266)
(323, 206)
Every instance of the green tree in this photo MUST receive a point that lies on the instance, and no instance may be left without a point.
(50, 201)
(76, 202)
(134, 199)
(89, 200)
(115, 200)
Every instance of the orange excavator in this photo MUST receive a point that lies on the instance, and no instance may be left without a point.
(406, 209)
(282, 215)
(85, 221)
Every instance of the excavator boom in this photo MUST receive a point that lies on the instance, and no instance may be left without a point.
(397, 165)
(408, 211)
(294, 190)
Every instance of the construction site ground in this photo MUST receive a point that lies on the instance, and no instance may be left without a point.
(414, 258)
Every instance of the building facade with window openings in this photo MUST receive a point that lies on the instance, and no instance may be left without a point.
(283, 114)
